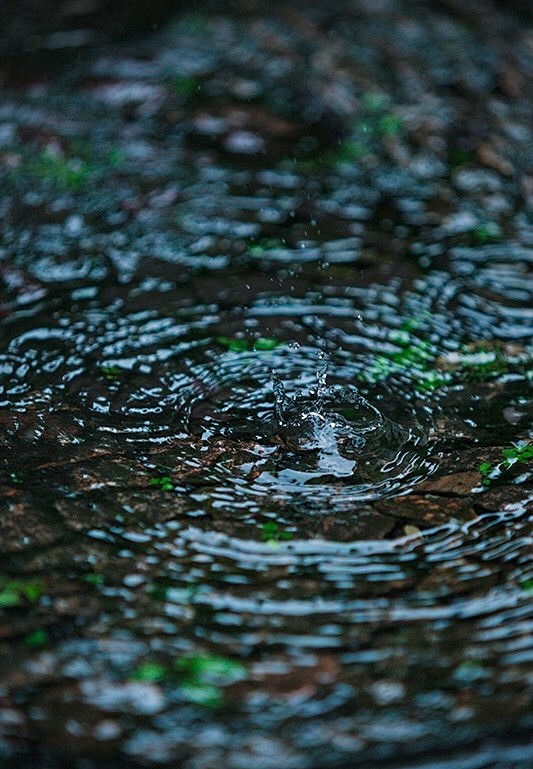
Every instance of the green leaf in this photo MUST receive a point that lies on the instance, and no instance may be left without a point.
(32, 590)
(389, 125)
(233, 345)
(264, 343)
(509, 453)
(111, 373)
(36, 639)
(272, 532)
(16, 593)
(525, 453)
(9, 598)
(487, 232)
(61, 170)
(150, 671)
(93, 579)
(485, 468)
(163, 482)
(375, 101)
(186, 86)
(206, 695)
(260, 247)
(211, 669)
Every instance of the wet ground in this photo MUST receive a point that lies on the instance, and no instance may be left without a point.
(264, 393)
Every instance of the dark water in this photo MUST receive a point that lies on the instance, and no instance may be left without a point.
(264, 398)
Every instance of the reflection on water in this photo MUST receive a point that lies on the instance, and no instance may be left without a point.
(263, 409)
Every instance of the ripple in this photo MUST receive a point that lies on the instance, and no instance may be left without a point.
(288, 436)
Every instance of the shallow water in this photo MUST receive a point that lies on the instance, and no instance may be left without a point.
(253, 358)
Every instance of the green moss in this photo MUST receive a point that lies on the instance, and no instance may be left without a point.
(483, 362)
(260, 247)
(389, 125)
(205, 674)
(211, 669)
(265, 344)
(18, 593)
(206, 695)
(416, 357)
(517, 453)
(93, 579)
(36, 639)
(488, 232)
(150, 671)
(272, 532)
(111, 373)
(200, 677)
(376, 126)
(163, 482)
(238, 344)
(375, 101)
(60, 170)
(234, 345)
(188, 87)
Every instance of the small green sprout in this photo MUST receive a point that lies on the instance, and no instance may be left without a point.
(36, 639)
(350, 150)
(186, 86)
(488, 232)
(163, 482)
(111, 373)
(517, 453)
(415, 356)
(265, 344)
(273, 533)
(150, 671)
(59, 169)
(211, 668)
(17, 593)
(486, 470)
(375, 101)
(234, 345)
(527, 585)
(262, 246)
(10, 597)
(115, 157)
(207, 695)
(203, 675)
(375, 127)
(262, 344)
(389, 125)
(93, 579)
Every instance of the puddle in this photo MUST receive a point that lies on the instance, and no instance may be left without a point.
(264, 396)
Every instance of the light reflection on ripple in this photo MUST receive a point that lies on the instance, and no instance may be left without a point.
(495, 297)
(366, 603)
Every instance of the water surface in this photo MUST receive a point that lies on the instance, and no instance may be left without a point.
(264, 398)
